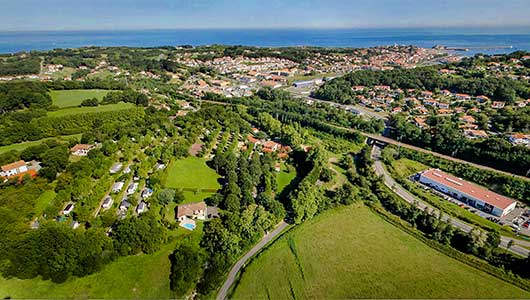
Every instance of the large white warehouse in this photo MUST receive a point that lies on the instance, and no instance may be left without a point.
(469, 193)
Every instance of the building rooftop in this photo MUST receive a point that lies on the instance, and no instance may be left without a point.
(189, 209)
(14, 165)
(468, 188)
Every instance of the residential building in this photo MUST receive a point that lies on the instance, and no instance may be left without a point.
(116, 168)
(107, 202)
(141, 208)
(18, 168)
(479, 134)
(191, 211)
(519, 139)
(469, 193)
(132, 188)
(81, 149)
(498, 104)
(117, 186)
(68, 209)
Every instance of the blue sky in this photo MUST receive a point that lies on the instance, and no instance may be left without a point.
(165, 14)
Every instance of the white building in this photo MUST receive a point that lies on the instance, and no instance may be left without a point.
(469, 193)
(116, 187)
(14, 169)
(107, 202)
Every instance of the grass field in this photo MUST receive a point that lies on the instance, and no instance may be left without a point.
(284, 177)
(43, 201)
(191, 173)
(133, 277)
(350, 252)
(72, 98)
(24, 145)
(90, 109)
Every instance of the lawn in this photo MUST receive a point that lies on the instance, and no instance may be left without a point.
(24, 145)
(90, 109)
(43, 201)
(72, 98)
(350, 252)
(192, 173)
(133, 277)
(284, 177)
(407, 167)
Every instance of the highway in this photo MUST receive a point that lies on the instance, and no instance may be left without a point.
(408, 197)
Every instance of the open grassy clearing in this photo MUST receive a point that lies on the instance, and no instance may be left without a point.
(24, 145)
(133, 277)
(284, 177)
(404, 168)
(90, 109)
(192, 173)
(350, 252)
(72, 98)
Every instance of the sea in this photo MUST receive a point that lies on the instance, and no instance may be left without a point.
(479, 40)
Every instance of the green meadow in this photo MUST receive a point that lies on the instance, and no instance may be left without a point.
(350, 252)
(72, 98)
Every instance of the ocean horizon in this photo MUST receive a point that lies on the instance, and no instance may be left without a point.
(483, 38)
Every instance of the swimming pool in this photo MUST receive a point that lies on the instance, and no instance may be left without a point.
(188, 226)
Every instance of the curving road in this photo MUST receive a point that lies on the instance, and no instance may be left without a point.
(407, 196)
(223, 292)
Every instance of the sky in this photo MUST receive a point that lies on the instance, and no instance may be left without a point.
(218, 14)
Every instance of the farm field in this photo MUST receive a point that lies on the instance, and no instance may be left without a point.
(24, 145)
(73, 98)
(90, 109)
(133, 277)
(192, 173)
(350, 252)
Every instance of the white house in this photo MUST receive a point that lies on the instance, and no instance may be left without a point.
(68, 209)
(117, 186)
(14, 169)
(107, 202)
(81, 149)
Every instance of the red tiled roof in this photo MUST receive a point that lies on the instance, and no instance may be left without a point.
(81, 147)
(14, 165)
(468, 188)
(188, 209)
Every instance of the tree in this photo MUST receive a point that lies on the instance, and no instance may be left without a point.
(90, 102)
(166, 196)
(186, 268)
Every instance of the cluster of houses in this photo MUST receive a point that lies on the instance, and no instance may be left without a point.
(268, 146)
